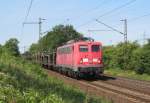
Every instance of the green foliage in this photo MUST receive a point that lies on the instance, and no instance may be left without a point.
(59, 35)
(144, 59)
(34, 48)
(0, 50)
(32, 84)
(118, 57)
(137, 58)
(11, 46)
(52, 99)
(109, 58)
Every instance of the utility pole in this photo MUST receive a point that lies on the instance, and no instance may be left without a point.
(122, 33)
(125, 31)
(126, 43)
(144, 38)
(40, 26)
(24, 49)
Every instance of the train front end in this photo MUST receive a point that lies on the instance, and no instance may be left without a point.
(89, 58)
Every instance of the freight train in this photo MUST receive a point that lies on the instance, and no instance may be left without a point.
(76, 58)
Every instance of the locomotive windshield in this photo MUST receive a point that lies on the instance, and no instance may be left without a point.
(95, 48)
(83, 48)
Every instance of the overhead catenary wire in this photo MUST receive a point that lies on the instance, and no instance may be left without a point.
(95, 8)
(109, 27)
(109, 12)
(117, 8)
(136, 18)
(28, 10)
(26, 16)
(89, 11)
(139, 17)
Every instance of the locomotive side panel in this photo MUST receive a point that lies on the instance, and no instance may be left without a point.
(64, 56)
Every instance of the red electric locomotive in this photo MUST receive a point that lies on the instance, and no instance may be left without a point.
(80, 58)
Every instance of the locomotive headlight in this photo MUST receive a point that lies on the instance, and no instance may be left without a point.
(95, 60)
(99, 61)
(81, 61)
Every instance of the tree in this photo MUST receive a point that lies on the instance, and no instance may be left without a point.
(59, 35)
(141, 59)
(11, 46)
(0, 49)
(114, 56)
(109, 57)
(34, 48)
(145, 57)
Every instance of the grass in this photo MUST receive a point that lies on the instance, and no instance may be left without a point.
(24, 82)
(128, 74)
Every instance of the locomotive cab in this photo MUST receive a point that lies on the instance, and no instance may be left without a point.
(89, 58)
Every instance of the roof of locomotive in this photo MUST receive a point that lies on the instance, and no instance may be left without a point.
(79, 42)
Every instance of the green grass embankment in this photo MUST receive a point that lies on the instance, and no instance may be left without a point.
(127, 74)
(24, 82)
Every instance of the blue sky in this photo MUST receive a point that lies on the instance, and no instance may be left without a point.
(12, 14)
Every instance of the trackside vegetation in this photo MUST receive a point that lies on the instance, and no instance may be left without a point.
(136, 64)
(128, 74)
(22, 81)
(26, 83)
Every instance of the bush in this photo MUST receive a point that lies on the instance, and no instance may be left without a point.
(137, 58)
(139, 70)
(141, 60)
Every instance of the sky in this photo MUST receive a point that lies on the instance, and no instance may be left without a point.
(79, 13)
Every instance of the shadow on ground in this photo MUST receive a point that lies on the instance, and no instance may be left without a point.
(102, 78)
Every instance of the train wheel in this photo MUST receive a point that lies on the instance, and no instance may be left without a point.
(69, 73)
(77, 75)
(63, 72)
(96, 75)
(74, 75)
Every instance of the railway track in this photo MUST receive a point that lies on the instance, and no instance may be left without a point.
(118, 90)
(135, 85)
(140, 97)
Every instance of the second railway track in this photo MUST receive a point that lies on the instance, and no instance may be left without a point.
(134, 85)
(127, 93)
